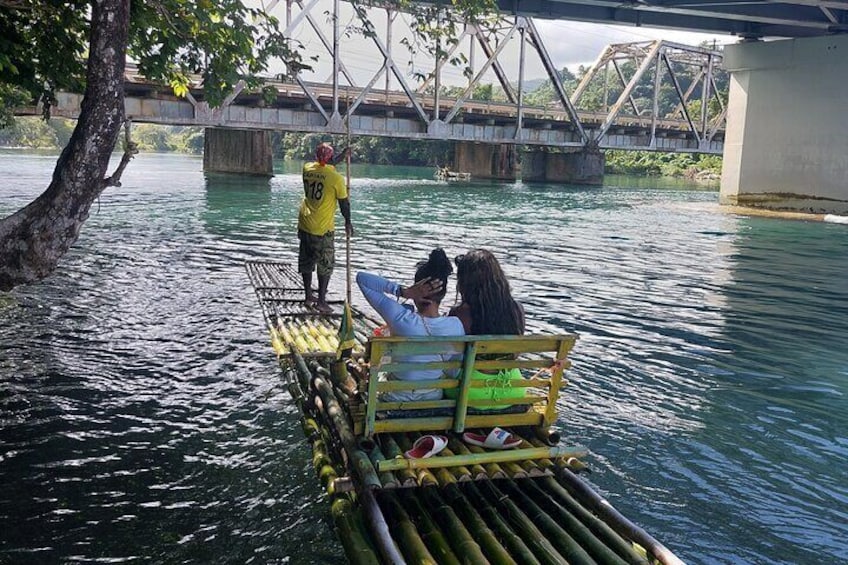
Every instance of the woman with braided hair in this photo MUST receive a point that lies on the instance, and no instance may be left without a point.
(487, 308)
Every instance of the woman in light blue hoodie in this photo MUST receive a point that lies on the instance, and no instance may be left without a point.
(431, 277)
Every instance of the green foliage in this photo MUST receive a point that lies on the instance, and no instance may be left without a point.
(10, 97)
(691, 165)
(366, 149)
(217, 42)
(35, 133)
(42, 48)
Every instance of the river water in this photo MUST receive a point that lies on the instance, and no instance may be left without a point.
(143, 418)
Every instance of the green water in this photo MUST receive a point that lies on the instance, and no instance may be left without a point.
(143, 419)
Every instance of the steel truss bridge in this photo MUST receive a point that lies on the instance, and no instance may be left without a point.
(423, 111)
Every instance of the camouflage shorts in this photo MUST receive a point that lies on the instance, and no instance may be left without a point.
(316, 250)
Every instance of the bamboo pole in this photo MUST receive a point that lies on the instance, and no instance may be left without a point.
(494, 470)
(362, 467)
(616, 520)
(388, 479)
(385, 543)
(460, 472)
(460, 539)
(392, 452)
(358, 549)
(562, 540)
(584, 536)
(524, 527)
(412, 545)
(508, 537)
(430, 532)
(494, 551)
(477, 470)
(598, 527)
(423, 475)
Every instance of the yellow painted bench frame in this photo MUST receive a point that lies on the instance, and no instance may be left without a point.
(551, 353)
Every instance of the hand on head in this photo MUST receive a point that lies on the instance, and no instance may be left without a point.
(423, 289)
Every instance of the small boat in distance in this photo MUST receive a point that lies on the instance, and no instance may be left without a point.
(446, 175)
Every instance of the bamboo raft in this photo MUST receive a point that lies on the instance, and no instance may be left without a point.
(466, 504)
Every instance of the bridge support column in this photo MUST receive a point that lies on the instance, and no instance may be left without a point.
(583, 166)
(786, 145)
(237, 151)
(487, 161)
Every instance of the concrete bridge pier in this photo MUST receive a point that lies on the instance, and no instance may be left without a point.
(786, 145)
(581, 166)
(487, 161)
(239, 151)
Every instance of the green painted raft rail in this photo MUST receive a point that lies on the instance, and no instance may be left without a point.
(466, 504)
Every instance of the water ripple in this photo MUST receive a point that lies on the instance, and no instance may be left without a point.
(143, 419)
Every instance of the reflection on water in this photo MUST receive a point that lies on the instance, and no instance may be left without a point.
(142, 417)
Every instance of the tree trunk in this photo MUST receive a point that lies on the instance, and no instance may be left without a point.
(33, 239)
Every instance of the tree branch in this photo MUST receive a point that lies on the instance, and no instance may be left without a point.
(130, 150)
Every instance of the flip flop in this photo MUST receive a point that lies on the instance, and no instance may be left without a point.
(426, 446)
(498, 438)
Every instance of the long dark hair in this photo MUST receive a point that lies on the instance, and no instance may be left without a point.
(437, 266)
(484, 288)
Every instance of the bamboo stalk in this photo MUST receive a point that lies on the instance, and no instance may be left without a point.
(358, 549)
(460, 539)
(460, 472)
(494, 470)
(532, 468)
(430, 532)
(584, 536)
(412, 546)
(360, 462)
(616, 520)
(477, 470)
(392, 451)
(536, 541)
(514, 470)
(377, 522)
(495, 521)
(562, 540)
(598, 527)
(424, 476)
(388, 479)
(494, 551)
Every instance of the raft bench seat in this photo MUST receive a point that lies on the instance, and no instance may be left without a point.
(541, 359)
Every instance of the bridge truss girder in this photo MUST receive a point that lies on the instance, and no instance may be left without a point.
(419, 111)
(494, 39)
(663, 59)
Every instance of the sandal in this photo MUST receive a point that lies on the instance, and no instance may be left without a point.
(426, 446)
(498, 438)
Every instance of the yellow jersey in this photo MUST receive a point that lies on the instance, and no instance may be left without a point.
(323, 186)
